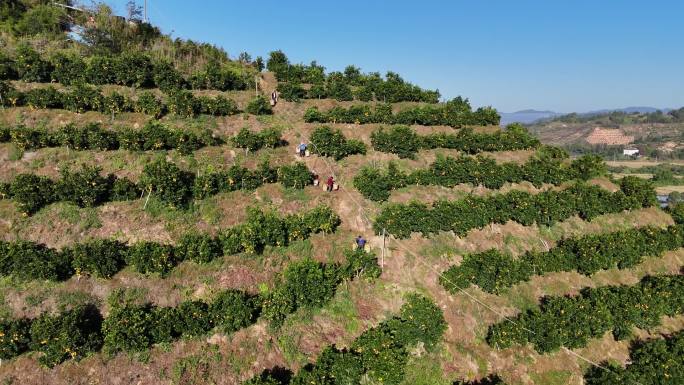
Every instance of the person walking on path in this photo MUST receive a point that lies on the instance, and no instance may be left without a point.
(302, 149)
(360, 243)
(330, 183)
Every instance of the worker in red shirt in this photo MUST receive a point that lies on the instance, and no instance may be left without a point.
(330, 183)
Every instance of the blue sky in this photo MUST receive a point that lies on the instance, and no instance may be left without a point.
(563, 55)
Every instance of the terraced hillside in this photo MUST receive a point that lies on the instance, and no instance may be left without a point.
(189, 244)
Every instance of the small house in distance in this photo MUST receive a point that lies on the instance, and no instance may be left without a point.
(631, 152)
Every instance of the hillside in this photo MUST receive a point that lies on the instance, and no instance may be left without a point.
(656, 134)
(158, 226)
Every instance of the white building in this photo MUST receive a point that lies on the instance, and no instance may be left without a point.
(630, 152)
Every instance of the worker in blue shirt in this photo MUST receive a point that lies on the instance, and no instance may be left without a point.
(302, 149)
(360, 242)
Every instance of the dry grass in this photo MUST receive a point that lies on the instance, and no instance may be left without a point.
(230, 359)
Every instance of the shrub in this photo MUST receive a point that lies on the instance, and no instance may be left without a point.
(68, 69)
(152, 257)
(233, 310)
(183, 103)
(29, 65)
(101, 257)
(30, 138)
(91, 136)
(400, 140)
(259, 106)
(32, 192)
(167, 182)
(127, 328)
(71, 335)
(14, 337)
(124, 190)
(329, 142)
(218, 106)
(493, 272)
(380, 354)
(296, 175)
(29, 260)
(657, 359)
(133, 70)
(7, 68)
(455, 113)
(254, 141)
(200, 248)
(166, 78)
(100, 70)
(544, 208)
(194, 318)
(292, 92)
(304, 284)
(572, 321)
(47, 97)
(115, 103)
(148, 104)
(86, 187)
(83, 98)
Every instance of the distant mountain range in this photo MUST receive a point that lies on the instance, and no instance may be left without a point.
(531, 116)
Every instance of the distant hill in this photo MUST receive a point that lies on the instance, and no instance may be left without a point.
(532, 116)
(527, 116)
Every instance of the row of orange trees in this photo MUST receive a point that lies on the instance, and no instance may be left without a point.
(82, 330)
(544, 209)
(103, 258)
(572, 321)
(165, 180)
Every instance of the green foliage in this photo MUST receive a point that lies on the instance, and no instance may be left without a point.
(29, 65)
(68, 69)
(166, 78)
(83, 98)
(183, 103)
(545, 208)
(128, 328)
(193, 318)
(149, 104)
(28, 260)
(651, 361)
(405, 142)
(269, 138)
(259, 106)
(329, 142)
(380, 354)
(455, 113)
(572, 321)
(493, 271)
(85, 188)
(43, 19)
(100, 257)
(232, 310)
(292, 92)
(400, 140)
(169, 183)
(152, 257)
(310, 284)
(47, 97)
(32, 192)
(14, 337)
(71, 335)
(104, 258)
(296, 175)
(200, 248)
(377, 185)
(218, 106)
(133, 69)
